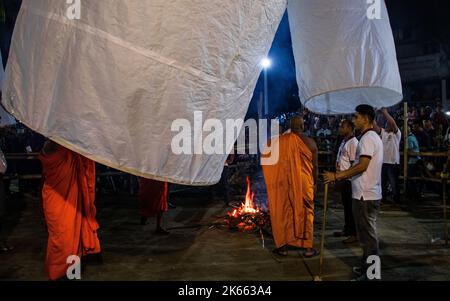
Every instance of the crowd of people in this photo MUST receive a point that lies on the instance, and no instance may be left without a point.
(429, 124)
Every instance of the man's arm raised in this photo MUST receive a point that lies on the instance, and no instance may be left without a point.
(391, 124)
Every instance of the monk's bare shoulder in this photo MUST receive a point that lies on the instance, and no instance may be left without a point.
(312, 145)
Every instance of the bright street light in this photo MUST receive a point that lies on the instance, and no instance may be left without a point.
(266, 63)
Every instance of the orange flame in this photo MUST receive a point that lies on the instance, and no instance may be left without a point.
(248, 207)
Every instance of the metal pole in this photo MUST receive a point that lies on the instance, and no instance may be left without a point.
(260, 116)
(445, 104)
(324, 224)
(405, 147)
(266, 94)
(444, 201)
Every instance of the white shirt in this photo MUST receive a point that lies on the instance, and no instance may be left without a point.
(391, 145)
(347, 154)
(367, 185)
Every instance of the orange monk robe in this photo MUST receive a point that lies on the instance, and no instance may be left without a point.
(152, 197)
(68, 200)
(290, 190)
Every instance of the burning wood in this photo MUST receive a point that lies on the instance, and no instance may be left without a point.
(247, 218)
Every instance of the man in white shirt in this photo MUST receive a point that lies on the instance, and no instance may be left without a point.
(345, 158)
(391, 137)
(366, 184)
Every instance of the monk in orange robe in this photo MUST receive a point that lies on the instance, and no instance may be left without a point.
(153, 202)
(68, 195)
(290, 185)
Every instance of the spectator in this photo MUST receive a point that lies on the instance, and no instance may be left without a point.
(324, 131)
(421, 136)
(439, 120)
(412, 114)
(391, 137)
(414, 162)
(431, 132)
(333, 124)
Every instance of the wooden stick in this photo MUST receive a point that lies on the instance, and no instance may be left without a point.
(324, 224)
(405, 147)
(444, 198)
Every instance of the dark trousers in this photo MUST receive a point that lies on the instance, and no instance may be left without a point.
(389, 175)
(366, 214)
(347, 200)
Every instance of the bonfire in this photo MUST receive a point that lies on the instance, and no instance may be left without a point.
(248, 217)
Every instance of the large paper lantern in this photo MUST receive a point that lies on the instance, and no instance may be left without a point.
(345, 55)
(110, 84)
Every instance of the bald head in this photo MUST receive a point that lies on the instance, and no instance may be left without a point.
(297, 124)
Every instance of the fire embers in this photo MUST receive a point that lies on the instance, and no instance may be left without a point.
(248, 218)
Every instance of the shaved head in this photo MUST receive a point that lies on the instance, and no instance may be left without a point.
(297, 124)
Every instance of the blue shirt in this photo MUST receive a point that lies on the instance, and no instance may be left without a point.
(413, 145)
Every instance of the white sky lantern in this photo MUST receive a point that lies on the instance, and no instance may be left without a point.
(110, 84)
(343, 57)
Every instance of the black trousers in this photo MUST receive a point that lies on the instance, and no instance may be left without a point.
(347, 200)
(389, 174)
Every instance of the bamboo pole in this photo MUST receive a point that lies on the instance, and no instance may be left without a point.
(324, 224)
(405, 147)
(444, 177)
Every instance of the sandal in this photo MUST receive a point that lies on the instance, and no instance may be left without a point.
(283, 251)
(311, 254)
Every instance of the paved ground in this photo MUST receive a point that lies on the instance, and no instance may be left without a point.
(198, 248)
